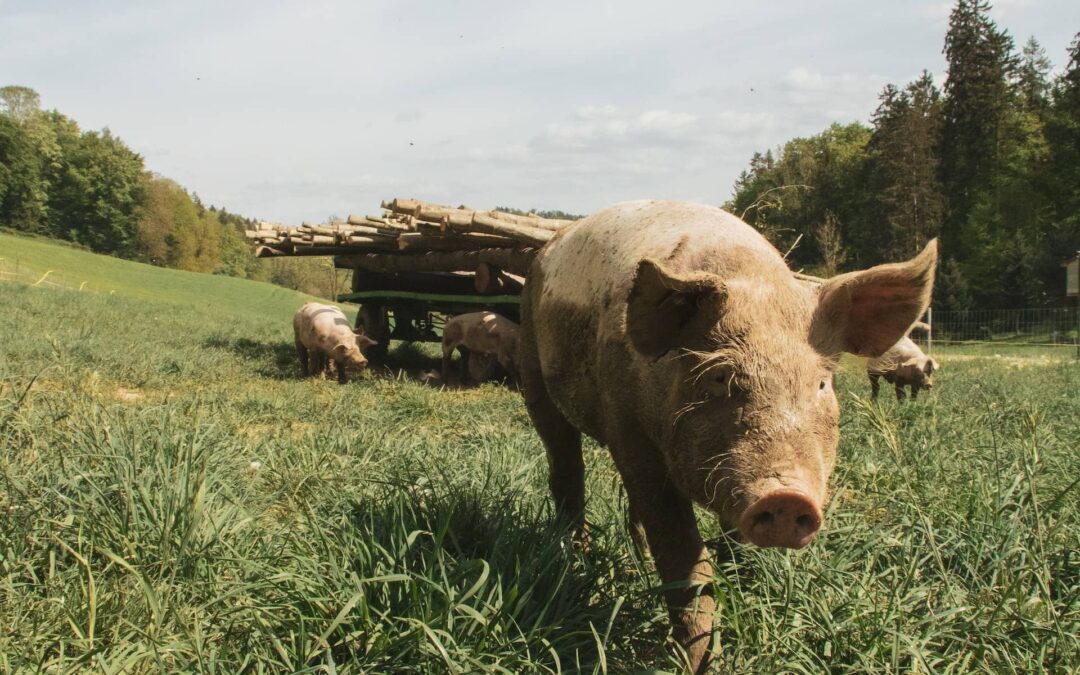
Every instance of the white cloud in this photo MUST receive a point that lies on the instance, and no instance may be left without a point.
(937, 12)
(615, 129)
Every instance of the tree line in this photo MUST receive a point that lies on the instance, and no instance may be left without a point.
(990, 164)
(90, 188)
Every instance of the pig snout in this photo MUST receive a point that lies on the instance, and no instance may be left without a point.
(783, 517)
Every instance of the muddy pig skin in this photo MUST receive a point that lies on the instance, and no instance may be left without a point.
(675, 335)
(480, 333)
(904, 365)
(323, 334)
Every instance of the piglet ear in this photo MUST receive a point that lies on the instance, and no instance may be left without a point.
(669, 310)
(363, 341)
(866, 312)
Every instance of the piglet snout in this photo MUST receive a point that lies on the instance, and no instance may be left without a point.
(784, 517)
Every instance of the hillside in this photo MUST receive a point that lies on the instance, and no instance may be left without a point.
(52, 264)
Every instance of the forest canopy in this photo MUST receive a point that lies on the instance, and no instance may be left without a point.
(990, 163)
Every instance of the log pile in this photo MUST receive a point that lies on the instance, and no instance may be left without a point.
(412, 235)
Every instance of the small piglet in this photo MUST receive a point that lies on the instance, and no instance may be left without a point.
(480, 333)
(903, 365)
(323, 334)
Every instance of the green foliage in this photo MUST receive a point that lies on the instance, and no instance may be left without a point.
(312, 275)
(88, 187)
(175, 498)
(560, 215)
(97, 190)
(19, 103)
(21, 201)
(907, 204)
(991, 165)
(811, 180)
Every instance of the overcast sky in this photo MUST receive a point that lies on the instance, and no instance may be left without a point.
(302, 110)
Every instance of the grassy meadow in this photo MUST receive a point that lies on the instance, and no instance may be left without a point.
(174, 498)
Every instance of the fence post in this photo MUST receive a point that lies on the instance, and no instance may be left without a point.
(930, 330)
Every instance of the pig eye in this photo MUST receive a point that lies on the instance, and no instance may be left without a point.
(720, 381)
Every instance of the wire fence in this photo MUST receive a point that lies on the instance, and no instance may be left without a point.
(12, 271)
(1055, 327)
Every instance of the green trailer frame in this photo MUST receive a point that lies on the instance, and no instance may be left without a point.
(413, 316)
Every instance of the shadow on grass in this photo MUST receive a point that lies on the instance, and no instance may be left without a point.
(279, 361)
(272, 360)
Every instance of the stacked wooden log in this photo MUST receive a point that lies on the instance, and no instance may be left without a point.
(431, 237)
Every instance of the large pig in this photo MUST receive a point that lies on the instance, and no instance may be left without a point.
(675, 335)
(480, 333)
(323, 334)
(903, 365)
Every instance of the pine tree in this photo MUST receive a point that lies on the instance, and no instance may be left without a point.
(1033, 77)
(976, 98)
(1062, 181)
(904, 148)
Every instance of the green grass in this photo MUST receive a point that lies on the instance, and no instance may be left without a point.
(174, 498)
(51, 264)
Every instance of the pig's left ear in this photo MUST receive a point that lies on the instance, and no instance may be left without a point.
(363, 341)
(359, 330)
(670, 310)
(867, 312)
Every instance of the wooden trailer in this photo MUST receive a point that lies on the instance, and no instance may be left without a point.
(418, 263)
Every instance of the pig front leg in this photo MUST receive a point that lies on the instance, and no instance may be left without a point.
(874, 386)
(342, 376)
(464, 363)
(447, 354)
(900, 393)
(682, 560)
(302, 352)
(316, 363)
(914, 392)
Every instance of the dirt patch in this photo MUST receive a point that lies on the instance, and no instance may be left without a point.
(127, 395)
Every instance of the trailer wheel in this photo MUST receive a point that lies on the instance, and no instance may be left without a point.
(372, 317)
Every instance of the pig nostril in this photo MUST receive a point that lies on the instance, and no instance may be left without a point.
(763, 519)
(806, 523)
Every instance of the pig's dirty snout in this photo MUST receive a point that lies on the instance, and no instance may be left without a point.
(785, 517)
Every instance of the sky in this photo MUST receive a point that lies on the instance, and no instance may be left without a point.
(293, 111)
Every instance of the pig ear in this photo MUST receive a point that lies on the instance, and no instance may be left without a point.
(359, 330)
(668, 310)
(930, 367)
(866, 312)
(363, 341)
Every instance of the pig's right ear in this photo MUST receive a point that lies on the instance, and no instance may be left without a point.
(668, 310)
(867, 312)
